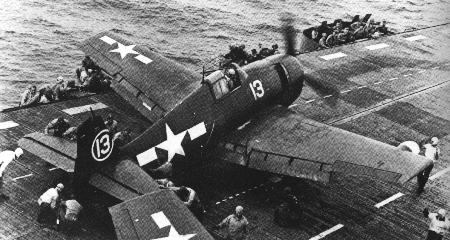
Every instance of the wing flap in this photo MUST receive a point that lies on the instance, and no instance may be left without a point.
(285, 142)
(157, 215)
(57, 151)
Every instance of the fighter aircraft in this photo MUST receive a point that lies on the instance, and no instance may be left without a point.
(242, 118)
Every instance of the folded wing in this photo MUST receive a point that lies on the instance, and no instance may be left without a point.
(158, 215)
(150, 82)
(284, 142)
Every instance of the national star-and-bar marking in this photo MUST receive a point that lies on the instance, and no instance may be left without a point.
(162, 221)
(124, 50)
(172, 144)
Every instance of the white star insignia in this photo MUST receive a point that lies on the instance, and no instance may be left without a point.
(174, 235)
(173, 143)
(124, 50)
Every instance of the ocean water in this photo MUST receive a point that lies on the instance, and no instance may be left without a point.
(38, 38)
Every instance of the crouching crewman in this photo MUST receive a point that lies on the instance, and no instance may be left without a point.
(69, 212)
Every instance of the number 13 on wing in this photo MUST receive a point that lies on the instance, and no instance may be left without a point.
(257, 89)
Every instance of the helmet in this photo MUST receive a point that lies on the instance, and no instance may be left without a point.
(434, 141)
(231, 71)
(18, 152)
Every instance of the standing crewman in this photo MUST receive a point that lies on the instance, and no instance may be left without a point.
(439, 224)
(47, 204)
(236, 224)
(7, 157)
(431, 151)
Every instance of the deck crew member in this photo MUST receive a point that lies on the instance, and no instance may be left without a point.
(86, 64)
(315, 34)
(121, 138)
(439, 224)
(47, 204)
(191, 200)
(253, 56)
(431, 151)
(111, 124)
(322, 41)
(288, 213)
(275, 50)
(236, 225)
(165, 183)
(69, 213)
(331, 39)
(46, 93)
(6, 157)
(58, 127)
(30, 97)
(382, 28)
(60, 88)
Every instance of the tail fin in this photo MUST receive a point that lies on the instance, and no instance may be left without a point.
(94, 148)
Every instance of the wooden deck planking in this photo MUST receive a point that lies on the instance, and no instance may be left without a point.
(349, 201)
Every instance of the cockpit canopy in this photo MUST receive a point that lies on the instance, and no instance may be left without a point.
(222, 82)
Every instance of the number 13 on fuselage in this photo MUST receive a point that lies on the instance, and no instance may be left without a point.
(257, 89)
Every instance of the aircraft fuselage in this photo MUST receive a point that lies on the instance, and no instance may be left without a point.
(213, 109)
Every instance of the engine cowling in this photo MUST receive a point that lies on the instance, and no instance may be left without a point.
(292, 77)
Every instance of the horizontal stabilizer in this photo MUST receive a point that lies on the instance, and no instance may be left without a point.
(123, 180)
(57, 151)
(158, 215)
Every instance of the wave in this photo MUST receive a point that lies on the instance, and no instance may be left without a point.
(42, 22)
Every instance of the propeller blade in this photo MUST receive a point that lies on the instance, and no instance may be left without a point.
(289, 34)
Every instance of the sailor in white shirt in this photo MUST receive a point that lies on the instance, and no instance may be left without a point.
(47, 204)
(431, 152)
(6, 157)
(439, 224)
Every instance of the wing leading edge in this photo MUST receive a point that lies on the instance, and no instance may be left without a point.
(284, 142)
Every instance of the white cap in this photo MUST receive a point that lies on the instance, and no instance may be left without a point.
(18, 152)
(231, 71)
(60, 186)
(442, 212)
(239, 209)
(434, 141)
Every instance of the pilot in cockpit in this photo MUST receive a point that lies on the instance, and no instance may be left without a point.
(230, 76)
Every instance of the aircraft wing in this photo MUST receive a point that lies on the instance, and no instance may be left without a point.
(284, 142)
(158, 215)
(150, 82)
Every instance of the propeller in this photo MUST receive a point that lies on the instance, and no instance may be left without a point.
(289, 34)
(321, 87)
